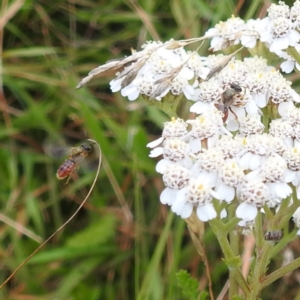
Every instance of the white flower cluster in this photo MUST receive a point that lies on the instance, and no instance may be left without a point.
(202, 161)
(243, 148)
(224, 154)
(278, 31)
(178, 73)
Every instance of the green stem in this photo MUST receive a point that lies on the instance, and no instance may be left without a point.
(155, 262)
(217, 227)
(265, 250)
(262, 259)
(283, 206)
(283, 216)
(234, 243)
(230, 225)
(258, 231)
(138, 234)
(265, 118)
(282, 244)
(294, 53)
(280, 272)
(268, 212)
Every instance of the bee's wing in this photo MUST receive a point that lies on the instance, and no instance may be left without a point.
(56, 149)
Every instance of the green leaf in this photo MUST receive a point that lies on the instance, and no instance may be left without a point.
(234, 262)
(29, 52)
(98, 233)
(76, 276)
(235, 297)
(189, 286)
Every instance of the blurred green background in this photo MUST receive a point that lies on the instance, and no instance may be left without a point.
(123, 244)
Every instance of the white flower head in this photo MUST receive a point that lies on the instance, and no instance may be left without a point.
(174, 151)
(175, 178)
(281, 129)
(257, 85)
(198, 65)
(292, 115)
(181, 85)
(197, 194)
(231, 176)
(234, 72)
(209, 160)
(250, 33)
(290, 63)
(225, 33)
(253, 195)
(253, 192)
(277, 145)
(256, 64)
(275, 175)
(281, 10)
(279, 89)
(283, 35)
(296, 133)
(292, 157)
(273, 169)
(251, 125)
(278, 28)
(208, 94)
(295, 14)
(256, 148)
(229, 146)
(176, 128)
(206, 127)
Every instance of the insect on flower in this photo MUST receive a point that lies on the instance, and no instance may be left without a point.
(228, 98)
(274, 235)
(71, 164)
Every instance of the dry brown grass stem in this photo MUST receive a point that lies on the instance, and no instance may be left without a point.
(196, 229)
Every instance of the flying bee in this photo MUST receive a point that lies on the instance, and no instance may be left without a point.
(71, 164)
(228, 99)
(274, 235)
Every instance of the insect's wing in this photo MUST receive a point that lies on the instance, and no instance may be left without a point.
(56, 149)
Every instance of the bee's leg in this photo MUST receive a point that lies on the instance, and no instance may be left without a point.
(70, 175)
(68, 179)
(233, 113)
(225, 115)
(222, 108)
